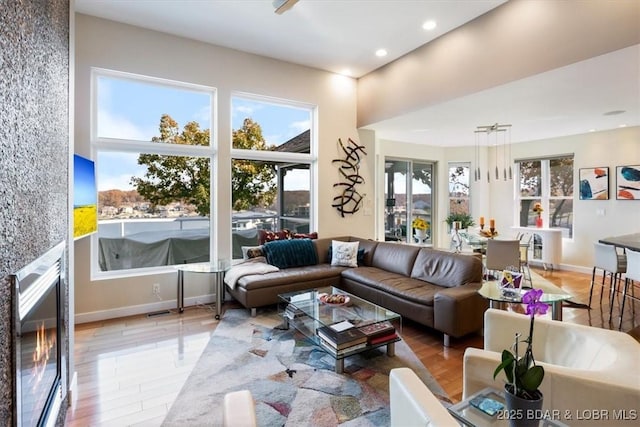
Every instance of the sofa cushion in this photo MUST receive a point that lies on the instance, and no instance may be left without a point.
(289, 276)
(414, 290)
(395, 257)
(344, 253)
(291, 253)
(446, 269)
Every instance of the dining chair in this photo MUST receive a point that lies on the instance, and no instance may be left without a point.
(611, 263)
(525, 244)
(631, 279)
(502, 254)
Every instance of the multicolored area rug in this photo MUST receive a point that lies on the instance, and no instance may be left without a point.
(292, 380)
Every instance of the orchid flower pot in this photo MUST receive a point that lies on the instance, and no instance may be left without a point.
(522, 412)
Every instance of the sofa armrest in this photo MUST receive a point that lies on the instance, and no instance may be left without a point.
(413, 404)
(459, 310)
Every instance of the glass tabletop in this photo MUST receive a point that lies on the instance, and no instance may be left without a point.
(357, 311)
(204, 267)
(494, 292)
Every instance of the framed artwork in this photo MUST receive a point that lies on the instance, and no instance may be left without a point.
(594, 183)
(628, 182)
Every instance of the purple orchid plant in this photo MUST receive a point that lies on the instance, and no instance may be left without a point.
(523, 375)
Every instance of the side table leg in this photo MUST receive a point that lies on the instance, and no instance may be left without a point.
(219, 287)
(339, 366)
(180, 298)
(556, 310)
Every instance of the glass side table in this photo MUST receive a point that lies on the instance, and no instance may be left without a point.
(217, 269)
(470, 416)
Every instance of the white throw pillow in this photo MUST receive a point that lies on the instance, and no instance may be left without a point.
(344, 254)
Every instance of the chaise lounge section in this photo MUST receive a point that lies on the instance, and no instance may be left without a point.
(435, 288)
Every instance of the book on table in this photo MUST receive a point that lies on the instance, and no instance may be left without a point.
(374, 330)
(380, 339)
(343, 339)
(329, 347)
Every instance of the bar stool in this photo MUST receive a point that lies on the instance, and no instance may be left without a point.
(610, 262)
(632, 278)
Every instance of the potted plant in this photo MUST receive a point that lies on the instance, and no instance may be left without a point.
(537, 208)
(420, 226)
(464, 219)
(522, 395)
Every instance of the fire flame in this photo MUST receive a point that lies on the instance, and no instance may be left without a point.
(41, 352)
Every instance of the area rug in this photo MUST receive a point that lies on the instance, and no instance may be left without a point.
(292, 380)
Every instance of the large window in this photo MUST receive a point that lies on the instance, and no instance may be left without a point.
(408, 195)
(550, 183)
(273, 160)
(153, 147)
(459, 189)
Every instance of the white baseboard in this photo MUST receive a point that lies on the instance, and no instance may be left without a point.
(567, 267)
(96, 316)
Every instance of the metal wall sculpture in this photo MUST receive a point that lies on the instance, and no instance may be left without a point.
(349, 201)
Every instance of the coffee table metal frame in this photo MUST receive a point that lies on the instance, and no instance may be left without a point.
(313, 314)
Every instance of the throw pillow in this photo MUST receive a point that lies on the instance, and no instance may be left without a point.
(360, 256)
(249, 252)
(291, 253)
(313, 235)
(265, 236)
(344, 253)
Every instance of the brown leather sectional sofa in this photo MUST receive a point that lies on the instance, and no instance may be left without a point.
(435, 288)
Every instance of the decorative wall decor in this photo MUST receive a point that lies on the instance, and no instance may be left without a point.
(594, 183)
(349, 201)
(628, 182)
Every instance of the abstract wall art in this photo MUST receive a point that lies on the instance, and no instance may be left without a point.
(628, 182)
(594, 183)
(349, 200)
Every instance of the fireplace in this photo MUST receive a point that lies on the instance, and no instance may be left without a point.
(38, 325)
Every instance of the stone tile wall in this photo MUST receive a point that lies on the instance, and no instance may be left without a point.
(34, 151)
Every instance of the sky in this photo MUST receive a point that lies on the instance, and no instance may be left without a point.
(132, 110)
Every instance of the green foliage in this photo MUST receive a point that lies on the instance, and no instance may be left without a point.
(187, 179)
(465, 219)
(253, 181)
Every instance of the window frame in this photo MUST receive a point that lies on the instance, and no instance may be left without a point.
(545, 190)
(310, 158)
(120, 145)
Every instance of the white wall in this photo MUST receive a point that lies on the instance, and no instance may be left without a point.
(106, 44)
(497, 198)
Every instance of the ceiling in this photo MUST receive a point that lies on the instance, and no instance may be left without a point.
(336, 35)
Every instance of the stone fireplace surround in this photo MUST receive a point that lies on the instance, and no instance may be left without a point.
(34, 155)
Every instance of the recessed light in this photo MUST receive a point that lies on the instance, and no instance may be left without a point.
(346, 72)
(592, 130)
(381, 52)
(622, 125)
(429, 25)
(614, 112)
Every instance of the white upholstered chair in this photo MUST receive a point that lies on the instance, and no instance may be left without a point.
(413, 404)
(239, 410)
(586, 368)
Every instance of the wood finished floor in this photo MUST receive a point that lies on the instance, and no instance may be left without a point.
(130, 370)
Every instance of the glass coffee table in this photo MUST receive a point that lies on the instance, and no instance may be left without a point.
(306, 312)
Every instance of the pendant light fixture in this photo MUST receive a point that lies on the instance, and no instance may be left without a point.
(494, 131)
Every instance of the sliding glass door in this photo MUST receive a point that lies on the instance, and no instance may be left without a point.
(408, 195)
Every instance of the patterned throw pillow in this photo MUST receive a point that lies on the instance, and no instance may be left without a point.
(344, 253)
(249, 252)
(360, 255)
(311, 236)
(265, 236)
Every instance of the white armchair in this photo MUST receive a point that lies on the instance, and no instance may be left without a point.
(587, 369)
(413, 404)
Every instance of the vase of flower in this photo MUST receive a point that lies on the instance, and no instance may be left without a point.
(420, 227)
(539, 221)
(523, 412)
(523, 398)
(421, 235)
